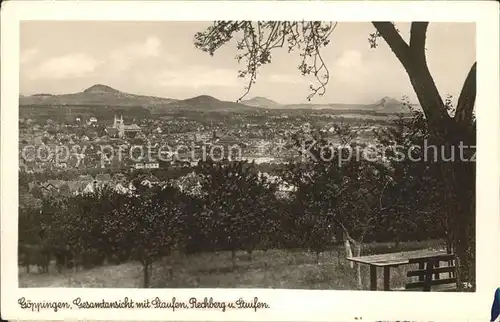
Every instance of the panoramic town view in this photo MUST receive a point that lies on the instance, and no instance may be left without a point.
(323, 157)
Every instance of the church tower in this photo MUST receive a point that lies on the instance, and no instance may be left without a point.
(121, 127)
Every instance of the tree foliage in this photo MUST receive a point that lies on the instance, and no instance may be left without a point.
(238, 204)
(258, 39)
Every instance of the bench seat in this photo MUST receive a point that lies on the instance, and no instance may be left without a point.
(429, 272)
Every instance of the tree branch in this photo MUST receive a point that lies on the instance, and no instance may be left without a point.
(345, 231)
(418, 71)
(417, 38)
(467, 98)
(388, 31)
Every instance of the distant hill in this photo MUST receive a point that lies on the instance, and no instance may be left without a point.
(208, 103)
(104, 101)
(385, 105)
(95, 95)
(42, 95)
(100, 95)
(103, 89)
(390, 105)
(261, 102)
(326, 106)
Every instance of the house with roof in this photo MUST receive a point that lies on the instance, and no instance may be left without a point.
(76, 187)
(85, 177)
(189, 183)
(121, 189)
(103, 177)
(131, 187)
(146, 165)
(149, 181)
(93, 186)
(112, 132)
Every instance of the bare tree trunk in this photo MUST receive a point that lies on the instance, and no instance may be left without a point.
(358, 266)
(233, 258)
(76, 259)
(413, 59)
(348, 251)
(462, 214)
(249, 252)
(171, 273)
(317, 258)
(397, 243)
(446, 131)
(145, 266)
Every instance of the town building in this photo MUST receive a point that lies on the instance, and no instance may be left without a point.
(121, 130)
(146, 165)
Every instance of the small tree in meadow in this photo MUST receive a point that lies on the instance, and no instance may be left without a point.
(417, 191)
(236, 203)
(149, 226)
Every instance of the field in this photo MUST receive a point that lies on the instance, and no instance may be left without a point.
(295, 269)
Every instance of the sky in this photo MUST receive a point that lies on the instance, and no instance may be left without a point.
(159, 58)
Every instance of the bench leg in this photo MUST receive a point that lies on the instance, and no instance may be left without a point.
(387, 277)
(436, 275)
(421, 266)
(373, 277)
(428, 275)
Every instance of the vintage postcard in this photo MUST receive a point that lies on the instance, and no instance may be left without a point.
(257, 161)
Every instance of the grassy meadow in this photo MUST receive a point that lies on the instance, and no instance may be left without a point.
(289, 269)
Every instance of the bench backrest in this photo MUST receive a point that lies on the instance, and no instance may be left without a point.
(429, 272)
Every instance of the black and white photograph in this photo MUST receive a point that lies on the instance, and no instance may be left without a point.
(145, 161)
(247, 154)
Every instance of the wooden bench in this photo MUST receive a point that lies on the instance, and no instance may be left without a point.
(391, 260)
(429, 274)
